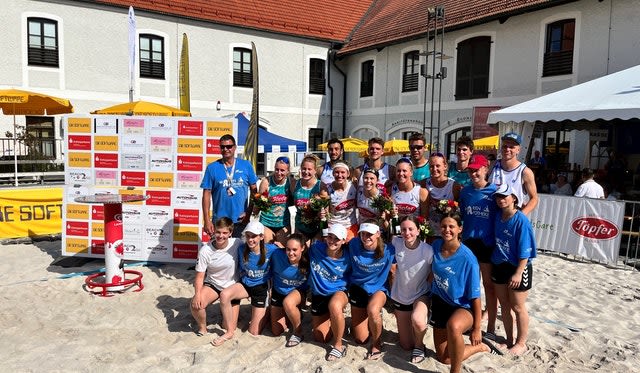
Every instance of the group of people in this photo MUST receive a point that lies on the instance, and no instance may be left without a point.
(369, 257)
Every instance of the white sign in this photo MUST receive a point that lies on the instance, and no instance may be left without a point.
(599, 135)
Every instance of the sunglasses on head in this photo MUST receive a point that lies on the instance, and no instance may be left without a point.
(226, 146)
(436, 155)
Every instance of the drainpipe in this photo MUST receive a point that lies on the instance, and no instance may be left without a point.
(344, 97)
(329, 52)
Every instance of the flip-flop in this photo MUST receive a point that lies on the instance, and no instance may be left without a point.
(220, 340)
(294, 340)
(373, 355)
(494, 350)
(336, 354)
(199, 333)
(490, 336)
(418, 355)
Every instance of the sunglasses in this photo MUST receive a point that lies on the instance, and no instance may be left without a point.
(416, 147)
(226, 146)
(284, 160)
(436, 155)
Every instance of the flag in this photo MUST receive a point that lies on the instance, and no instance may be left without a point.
(132, 50)
(185, 95)
(251, 145)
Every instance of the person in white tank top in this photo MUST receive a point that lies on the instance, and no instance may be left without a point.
(366, 194)
(440, 187)
(408, 196)
(374, 160)
(515, 173)
(342, 192)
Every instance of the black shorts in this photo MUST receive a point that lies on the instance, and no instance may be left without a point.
(218, 291)
(258, 294)
(397, 306)
(479, 249)
(358, 297)
(441, 312)
(501, 275)
(277, 298)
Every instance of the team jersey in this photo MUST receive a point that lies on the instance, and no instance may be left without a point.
(421, 173)
(478, 210)
(365, 211)
(368, 272)
(383, 175)
(219, 178)
(513, 177)
(301, 197)
(328, 275)
(251, 273)
(343, 205)
(460, 177)
(408, 203)
(435, 196)
(286, 277)
(414, 266)
(278, 215)
(456, 279)
(327, 173)
(514, 239)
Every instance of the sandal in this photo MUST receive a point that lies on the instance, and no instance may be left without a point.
(371, 355)
(418, 355)
(336, 354)
(294, 340)
(220, 340)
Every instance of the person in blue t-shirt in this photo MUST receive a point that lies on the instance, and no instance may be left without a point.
(290, 268)
(455, 302)
(330, 268)
(254, 258)
(226, 185)
(512, 272)
(478, 209)
(371, 261)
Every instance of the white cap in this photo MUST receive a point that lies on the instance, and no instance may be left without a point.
(504, 190)
(369, 228)
(254, 227)
(338, 230)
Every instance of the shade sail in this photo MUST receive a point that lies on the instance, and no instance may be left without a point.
(614, 96)
(268, 142)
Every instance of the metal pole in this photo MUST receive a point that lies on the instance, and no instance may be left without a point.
(441, 58)
(15, 153)
(426, 66)
(433, 81)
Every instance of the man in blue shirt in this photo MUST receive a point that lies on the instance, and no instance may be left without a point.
(227, 183)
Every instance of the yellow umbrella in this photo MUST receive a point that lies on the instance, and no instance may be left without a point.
(143, 108)
(18, 102)
(395, 146)
(351, 145)
(486, 143)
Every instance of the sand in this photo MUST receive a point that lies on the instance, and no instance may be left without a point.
(584, 317)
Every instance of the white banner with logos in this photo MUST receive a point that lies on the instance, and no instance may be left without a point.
(586, 227)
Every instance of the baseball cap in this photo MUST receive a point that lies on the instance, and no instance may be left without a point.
(513, 137)
(477, 161)
(338, 230)
(504, 190)
(369, 228)
(254, 227)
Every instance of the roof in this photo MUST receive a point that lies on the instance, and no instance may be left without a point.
(327, 20)
(613, 96)
(392, 21)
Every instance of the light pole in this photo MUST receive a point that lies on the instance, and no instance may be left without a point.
(435, 24)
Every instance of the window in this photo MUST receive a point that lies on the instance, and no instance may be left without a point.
(316, 76)
(40, 137)
(452, 137)
(558, 53)
(151, 56)
(43, 42)
(315, 137)
(366, 79)
(411, 68)
(472, 68)
(242, 75)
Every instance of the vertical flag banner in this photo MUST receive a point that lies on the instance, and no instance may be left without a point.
(132, 50)
(185, 95)
(251, 145)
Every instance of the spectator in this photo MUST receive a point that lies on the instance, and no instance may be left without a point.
(589, 188)
(562, 186)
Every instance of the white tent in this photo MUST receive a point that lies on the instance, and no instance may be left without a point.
(614, 96)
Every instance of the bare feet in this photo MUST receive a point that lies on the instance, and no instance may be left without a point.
(221, 340)
(518, 349)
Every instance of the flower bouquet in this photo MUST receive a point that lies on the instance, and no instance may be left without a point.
(446, 206)
(261, 202)
(382, 202)
(424, 228)
(311, 210)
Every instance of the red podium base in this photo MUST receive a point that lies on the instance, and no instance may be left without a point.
(105, 292)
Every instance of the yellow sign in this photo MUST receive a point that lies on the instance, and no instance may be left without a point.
(182, 233)
(193, 146)
(211, 160)
(30, 212)
(97, 230)
(161, 179)
(76, 211)
(77, 159)
(217, 129)
(109, 143)
(77, 245)
(79, 125)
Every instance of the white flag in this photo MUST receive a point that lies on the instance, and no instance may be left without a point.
(132, 50)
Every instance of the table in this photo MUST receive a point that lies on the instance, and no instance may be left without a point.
(114, 275)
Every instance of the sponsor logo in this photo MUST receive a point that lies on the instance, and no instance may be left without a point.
(159, 198)
(77, 142)
(280, 198)
(106, 160)
(190, 128)
(183, 216)
(133, 178)
(596, 228)
(185, 251)
(405, 209)
(186, 163)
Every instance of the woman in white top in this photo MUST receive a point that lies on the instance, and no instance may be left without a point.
(407, 195)
(411, 286)
(216, 269)
(366, 194)
(343, 194)
(441, 187)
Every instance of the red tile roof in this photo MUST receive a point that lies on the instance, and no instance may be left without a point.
(391, 21)
(328, 20)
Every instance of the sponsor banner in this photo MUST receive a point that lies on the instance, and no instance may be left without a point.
(190, 128)
(185, 251)
(134, 161)
(186, 198)
(105, 160)
(79, 160)
(77, 245)
(161, 179)
(106, 143)
(97, 212)
(218, 129)
(186, 233)
(212, 159)
(105, 125)
(77, 211)
(135, 144)
(158, 198)
(97, 229)
(158, 249)
(106, 178)
(32, 212)
(132, 232)
(80, 176)
(161, 127)
(213, 146)
(186, 216)
(157, 215)
(132, 214)
(162, 145)
(97, 247)
(188, 180)
(79, 125)
(79, 142)
(133, 178)
(133, 126)
(77, 228)
(160, 162)
(190, 146)
(134, 249)
(190, 163)
(157, 232)
(590, 228)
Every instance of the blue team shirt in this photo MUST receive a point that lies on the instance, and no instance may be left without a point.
(456, 279)
(215, 179)
(367, 272)
(478, 209)
(286, 277)
(328, 275)
(253, 274)
(514, 240)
